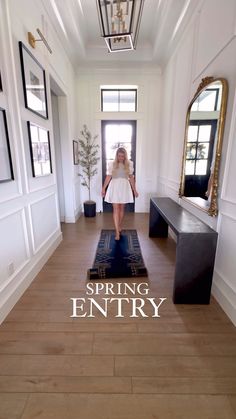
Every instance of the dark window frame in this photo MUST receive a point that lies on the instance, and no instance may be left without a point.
(118, 91)
(198, 123)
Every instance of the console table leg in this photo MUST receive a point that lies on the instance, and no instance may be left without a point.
(158, 227)
(195, 255)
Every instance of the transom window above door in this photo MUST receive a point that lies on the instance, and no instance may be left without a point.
(119, 99)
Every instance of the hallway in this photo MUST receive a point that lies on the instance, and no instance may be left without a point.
(181, 365)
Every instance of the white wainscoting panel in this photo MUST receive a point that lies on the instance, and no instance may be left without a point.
(225, 295)
(44, 220)
(14, 245)
(225, 263)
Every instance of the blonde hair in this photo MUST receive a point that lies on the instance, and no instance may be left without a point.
(126, 160)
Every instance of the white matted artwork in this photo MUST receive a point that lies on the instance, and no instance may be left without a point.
(34, 83)
(40, 152)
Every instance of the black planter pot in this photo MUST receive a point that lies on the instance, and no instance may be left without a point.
(89, 209)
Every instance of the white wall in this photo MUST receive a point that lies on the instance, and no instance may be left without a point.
(207, 48)
(147, 117)
(29, 217)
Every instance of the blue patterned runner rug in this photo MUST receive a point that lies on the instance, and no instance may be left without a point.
(118, 258)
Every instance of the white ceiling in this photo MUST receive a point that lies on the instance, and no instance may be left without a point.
(76, 23)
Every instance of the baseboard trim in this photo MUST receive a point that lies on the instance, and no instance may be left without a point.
(21, 282)
(78, 215)
(220, 289)
(72, 220)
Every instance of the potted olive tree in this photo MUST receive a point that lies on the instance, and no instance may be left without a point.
(88, 159)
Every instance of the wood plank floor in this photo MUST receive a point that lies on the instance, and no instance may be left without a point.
(181, 365)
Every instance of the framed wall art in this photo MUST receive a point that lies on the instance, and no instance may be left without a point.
(76, 151)
(34, 83)
(40, 152)
(0, 82)
(6, 169)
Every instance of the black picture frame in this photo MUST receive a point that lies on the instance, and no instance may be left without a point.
(75, 152)
(34, 83)
(6, 168)
(0, 82)
(40, 151)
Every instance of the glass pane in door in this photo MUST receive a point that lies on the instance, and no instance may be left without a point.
(117, 134)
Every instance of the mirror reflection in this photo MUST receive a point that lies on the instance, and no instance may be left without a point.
(203, 138)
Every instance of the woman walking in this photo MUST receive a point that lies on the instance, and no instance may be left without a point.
(121, 183)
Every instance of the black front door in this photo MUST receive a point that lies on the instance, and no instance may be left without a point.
(117, 134)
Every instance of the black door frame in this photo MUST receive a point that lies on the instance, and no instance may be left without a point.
(196, 185)
(128, 207)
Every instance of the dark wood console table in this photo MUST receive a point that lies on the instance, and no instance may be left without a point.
(195, 251)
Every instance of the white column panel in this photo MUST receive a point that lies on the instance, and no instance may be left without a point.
(167, 111)
(180, 101)
(228, 188)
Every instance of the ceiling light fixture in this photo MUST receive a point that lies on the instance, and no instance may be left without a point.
(120, 22)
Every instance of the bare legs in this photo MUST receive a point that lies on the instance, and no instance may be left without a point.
(118, 215)
(116, 212)
(122, 212)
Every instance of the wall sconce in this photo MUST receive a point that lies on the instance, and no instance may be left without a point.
(32, 40)
(119, 22)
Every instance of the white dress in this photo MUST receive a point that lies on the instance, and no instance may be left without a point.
(119, 190)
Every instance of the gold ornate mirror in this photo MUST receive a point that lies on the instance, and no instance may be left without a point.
(203, 143)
